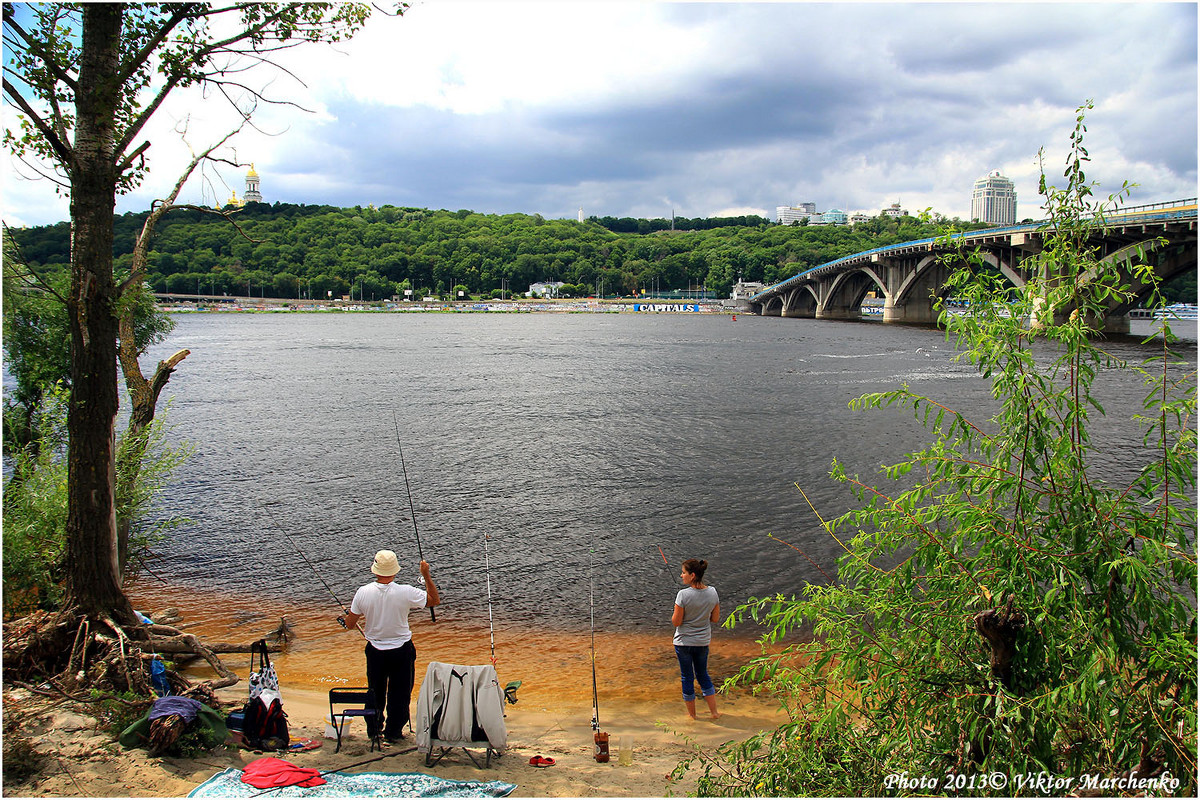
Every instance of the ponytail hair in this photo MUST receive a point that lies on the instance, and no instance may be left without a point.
(696, 566)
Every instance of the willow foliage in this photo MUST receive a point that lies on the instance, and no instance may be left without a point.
(1012, 624)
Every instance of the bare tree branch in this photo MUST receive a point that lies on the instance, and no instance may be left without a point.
(128, 162)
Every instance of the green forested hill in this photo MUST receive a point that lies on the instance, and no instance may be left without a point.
(286, 250)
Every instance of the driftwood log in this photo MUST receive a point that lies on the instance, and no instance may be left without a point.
(74, 652)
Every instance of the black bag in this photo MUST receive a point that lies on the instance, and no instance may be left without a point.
(265, 726)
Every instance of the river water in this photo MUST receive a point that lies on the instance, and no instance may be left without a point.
(581, 449)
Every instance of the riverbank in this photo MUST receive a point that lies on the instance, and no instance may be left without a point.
(80, 762)
(221, 304)
(637, 683)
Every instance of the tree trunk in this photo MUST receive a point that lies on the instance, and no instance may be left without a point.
(93, 580)
(143, 396)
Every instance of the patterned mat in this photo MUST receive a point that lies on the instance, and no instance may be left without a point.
(363, 784)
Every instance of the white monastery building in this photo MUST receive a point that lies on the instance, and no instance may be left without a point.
(251, 195)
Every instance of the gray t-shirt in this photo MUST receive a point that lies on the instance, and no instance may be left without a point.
(697, 605)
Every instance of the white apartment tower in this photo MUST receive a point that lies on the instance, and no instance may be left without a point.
(994, 200)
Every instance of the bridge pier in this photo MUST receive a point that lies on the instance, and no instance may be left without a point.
(1116, 324)
(912, 313)
(839, 313)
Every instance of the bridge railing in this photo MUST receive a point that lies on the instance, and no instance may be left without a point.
(1150, 212)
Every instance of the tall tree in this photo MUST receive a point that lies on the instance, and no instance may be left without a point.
(86, 79)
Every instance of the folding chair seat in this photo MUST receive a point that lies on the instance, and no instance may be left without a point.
(363, 701)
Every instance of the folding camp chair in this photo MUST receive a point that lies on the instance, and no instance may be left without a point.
(461, 707)
(364, 700)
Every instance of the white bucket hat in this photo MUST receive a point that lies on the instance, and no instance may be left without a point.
(385, 564)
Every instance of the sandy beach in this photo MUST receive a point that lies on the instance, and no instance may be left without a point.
(637, 682)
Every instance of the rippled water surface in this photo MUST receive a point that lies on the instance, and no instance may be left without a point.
(580, 444)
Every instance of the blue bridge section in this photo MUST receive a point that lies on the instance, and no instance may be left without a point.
(910, 277)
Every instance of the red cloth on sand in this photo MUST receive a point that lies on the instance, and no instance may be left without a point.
(269, 772)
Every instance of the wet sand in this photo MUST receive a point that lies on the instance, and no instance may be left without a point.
(553, 665)
(637, 681)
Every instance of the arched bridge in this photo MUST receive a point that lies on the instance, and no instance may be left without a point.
(911, 276)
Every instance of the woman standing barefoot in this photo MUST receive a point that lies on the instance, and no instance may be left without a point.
(697, 607)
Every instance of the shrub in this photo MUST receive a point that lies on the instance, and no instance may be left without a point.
(1012, 613)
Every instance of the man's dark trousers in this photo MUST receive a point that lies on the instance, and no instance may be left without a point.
(390, 675)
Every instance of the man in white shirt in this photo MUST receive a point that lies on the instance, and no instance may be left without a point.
(383, 608)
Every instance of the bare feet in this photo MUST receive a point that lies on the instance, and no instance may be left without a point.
(715, 716)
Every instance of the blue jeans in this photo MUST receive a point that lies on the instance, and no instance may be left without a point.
(693, 666)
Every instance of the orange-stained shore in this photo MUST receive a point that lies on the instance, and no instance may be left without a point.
(637, 676)
(553, 665)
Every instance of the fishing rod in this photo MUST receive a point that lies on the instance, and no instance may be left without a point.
(487, 571)
(412, 511)
(341, 619)
(600, 737)
(592, 602)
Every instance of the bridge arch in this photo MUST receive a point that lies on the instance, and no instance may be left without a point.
(843, 295)
(772, 306)
(802, 302)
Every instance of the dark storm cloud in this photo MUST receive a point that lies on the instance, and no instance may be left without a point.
(837, 104)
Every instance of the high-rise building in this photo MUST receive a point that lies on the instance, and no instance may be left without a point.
(786, 215)
(251, 194)
(994, 200)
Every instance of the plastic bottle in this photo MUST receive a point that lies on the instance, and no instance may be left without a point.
(625, 757)
(602, 747)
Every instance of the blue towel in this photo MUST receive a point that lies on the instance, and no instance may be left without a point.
(228, 783)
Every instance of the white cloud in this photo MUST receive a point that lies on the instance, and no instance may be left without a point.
(543, 107)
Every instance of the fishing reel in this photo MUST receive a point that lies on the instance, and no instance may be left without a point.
(341, 620)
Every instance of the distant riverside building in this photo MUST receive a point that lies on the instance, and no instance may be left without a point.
(544, 289)
(790, 215)
(744, 290)
(786, 215)
(994, 200)
(251, 194)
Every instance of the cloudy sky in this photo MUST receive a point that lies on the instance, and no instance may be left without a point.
(707, 109)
